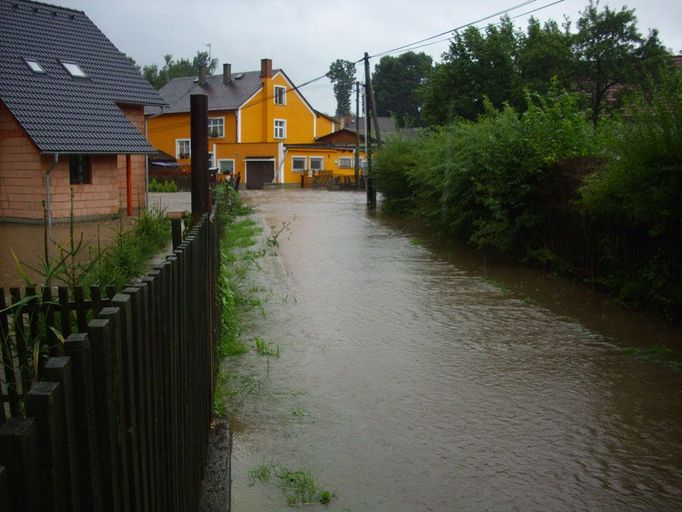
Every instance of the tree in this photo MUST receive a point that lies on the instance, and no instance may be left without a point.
(176, 69)
(611, 52)
(545, 55)
(342, 75)
(476, 66)
(396, 81)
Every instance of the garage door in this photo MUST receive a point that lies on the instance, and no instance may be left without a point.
(259, 172)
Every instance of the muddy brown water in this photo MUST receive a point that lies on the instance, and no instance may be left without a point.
(413, 379)
(27, 241)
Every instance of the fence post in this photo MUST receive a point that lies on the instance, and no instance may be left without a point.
(45, 406)
(107, 415)
(59, 369)
(77, 348)
(125, 342)
(18, 455)
(7, 359)
(4, 491)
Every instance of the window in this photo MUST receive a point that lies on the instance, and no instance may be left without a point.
(298, 163)
(74, 69)
(216, 127)
(226, 166)
(280, 129)
(34, 66)
(346, 162)
(316, 163)
(280, 95)
(211, 160)
(80, 172)
(183, 149)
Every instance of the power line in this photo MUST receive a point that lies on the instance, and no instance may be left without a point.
(476, 23)
(512, 8)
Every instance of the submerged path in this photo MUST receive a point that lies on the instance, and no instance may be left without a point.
(414, 380)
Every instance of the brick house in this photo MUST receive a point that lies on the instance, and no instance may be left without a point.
(71, 117)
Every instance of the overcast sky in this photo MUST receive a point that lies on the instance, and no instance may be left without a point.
(304, 36)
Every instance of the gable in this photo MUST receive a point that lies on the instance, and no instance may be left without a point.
(61, 112)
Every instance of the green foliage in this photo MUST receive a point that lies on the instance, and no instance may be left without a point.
(396, 81)
(167, 186)
(300, 485)
(501, 63)
(176, 69)
(265, 348)
(342, 75)
(657, 354)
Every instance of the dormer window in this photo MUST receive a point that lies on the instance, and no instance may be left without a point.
(74, 69)
(34, 66)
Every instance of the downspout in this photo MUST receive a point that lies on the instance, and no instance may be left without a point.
(48, 202)
(48, 205)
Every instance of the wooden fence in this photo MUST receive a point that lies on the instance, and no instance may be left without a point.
(117, 416)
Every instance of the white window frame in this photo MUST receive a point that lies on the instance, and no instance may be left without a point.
(211, 160)
(280, 129)
(299, 158)
(74, 69)
(221, 134)
(177, 149)
(234, 164)
(281, 98)
(343, 159)
(319, 159)
(35, 66)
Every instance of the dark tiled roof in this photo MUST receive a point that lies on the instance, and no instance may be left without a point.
(59, 112)
(221, 96)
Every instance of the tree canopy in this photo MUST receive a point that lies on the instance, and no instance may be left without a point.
(502, 63)
(396, 81)
(175, 69)
(342, 75)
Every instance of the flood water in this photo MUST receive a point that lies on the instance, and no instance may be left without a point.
(418, 379)
(27, 241)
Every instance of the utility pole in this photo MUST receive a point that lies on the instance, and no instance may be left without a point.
(357, 135)
(369, 178)
(201, 202)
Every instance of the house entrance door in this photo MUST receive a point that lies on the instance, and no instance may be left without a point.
(259, 172)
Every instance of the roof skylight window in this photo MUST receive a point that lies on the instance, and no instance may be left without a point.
(34, 65)
(74, 69)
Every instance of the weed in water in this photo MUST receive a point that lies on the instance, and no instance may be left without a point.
(657, 354)
(298, 412)
(266, 349)
(416, 242)
(261, 472)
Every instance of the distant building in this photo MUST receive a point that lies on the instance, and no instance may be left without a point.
(71, 116)
(260, 126)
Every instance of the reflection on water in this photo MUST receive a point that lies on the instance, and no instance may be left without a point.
(28, 243)
(432, 380)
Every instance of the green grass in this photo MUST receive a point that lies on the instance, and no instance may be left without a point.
(657, 354)
(300, 486)
(265, 348)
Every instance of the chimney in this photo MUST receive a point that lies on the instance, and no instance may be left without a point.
(266, 68)
(227, 73)
(203, 72)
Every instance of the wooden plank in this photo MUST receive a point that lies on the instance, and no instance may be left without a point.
(4, 491)
(107, 415)
(139, 343)
(8, 358)
(65, 311)
(77, 347)
(18, 455)
(48, 308)
(59, 369)
(81, 308)
(20, 341)
(45, 405)
(123, 302)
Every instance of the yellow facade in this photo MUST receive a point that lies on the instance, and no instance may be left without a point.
(262, 128)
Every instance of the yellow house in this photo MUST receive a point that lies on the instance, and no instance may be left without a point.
(260, 126)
